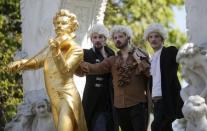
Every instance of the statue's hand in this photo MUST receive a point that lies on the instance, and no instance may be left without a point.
(14, 66)
(53, 43)
(54, 46)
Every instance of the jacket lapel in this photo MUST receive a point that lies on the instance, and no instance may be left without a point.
(162, 55)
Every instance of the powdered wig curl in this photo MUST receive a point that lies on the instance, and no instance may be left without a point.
(156, 27)
(100, 29)
(123, 29)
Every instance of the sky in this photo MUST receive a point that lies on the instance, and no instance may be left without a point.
(180, 17)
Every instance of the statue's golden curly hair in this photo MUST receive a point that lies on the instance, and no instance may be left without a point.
(71, 16)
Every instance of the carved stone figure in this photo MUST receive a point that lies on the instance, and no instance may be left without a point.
(43, 120)
(194, 70)
(22, 121)
(59, 62)
(195, 113)
(37, 117)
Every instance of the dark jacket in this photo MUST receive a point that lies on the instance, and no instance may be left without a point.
(98, 92)
(170, 84)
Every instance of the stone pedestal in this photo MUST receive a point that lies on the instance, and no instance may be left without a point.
(196, 20)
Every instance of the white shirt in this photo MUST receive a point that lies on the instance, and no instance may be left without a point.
(156, 74)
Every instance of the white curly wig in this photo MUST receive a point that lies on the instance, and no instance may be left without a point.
(155, 28)
(121, 28)
(100, 29)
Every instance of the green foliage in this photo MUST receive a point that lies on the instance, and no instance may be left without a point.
(10, 39)
(138, 14)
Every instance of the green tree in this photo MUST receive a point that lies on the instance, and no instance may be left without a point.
(10, 39)
(138, 14)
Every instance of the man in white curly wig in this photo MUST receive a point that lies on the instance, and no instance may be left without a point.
(130, 72)
(97, 102)
(165, 84)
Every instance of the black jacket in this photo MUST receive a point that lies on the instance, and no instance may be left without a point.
(170, 84)
(98, 92)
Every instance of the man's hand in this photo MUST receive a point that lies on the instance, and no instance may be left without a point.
(84, 67)
(136, 57)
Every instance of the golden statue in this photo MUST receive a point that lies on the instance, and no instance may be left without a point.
(60, 61)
